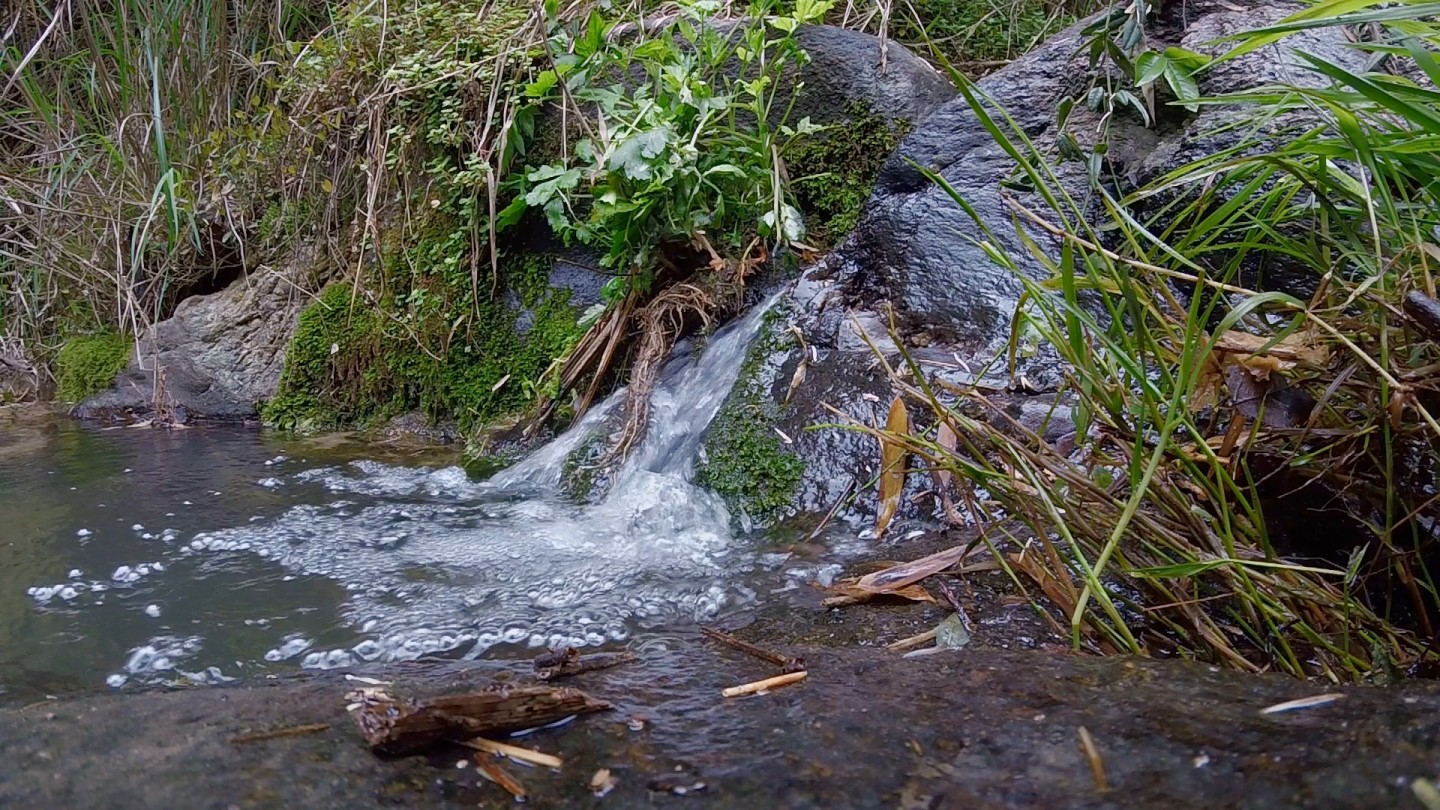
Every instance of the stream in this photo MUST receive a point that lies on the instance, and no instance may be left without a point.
(138, 556)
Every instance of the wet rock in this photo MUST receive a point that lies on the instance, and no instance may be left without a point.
(221, 353)
(970, 728)
(915, 263)
(846, 68)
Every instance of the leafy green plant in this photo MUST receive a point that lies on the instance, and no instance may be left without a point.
(88, 364)
(680, 150)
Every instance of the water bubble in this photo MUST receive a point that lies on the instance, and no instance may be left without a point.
(83, 532)
(116, 681)
(153, 611)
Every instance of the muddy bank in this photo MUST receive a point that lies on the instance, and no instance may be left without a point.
(974, 728)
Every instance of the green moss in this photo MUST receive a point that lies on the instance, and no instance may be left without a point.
(835, 170)
(969, 32)
(426, 345)
(88, 364)
(745, 460)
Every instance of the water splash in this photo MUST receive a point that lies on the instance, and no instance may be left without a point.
(433, 561)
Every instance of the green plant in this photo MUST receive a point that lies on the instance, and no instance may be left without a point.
(1204, 404)
(88, 364)
(685, 152)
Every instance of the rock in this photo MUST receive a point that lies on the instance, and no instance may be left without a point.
(845, 69)
(916, 257)
(222, 354)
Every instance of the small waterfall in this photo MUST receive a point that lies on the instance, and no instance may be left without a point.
(433, 561)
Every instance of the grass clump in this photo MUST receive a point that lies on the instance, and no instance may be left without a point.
(88, 364)
(1214, 417)
(744, 459)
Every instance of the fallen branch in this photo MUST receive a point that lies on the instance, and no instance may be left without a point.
(397, 726)
(768, 683)
(515, 752)
(786, 663)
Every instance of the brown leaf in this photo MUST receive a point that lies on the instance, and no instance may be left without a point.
(899, 576)
(1271, 398)
(1291, 349)
(848, 593)
(945, 437)
(892, 469)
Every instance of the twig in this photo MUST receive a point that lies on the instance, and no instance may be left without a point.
(787, 664)
(1097, 766)
(834, 510)
(527, 755)
(292, 731)
(768, 683)
(912, 641)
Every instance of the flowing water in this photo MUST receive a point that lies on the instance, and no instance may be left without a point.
(136, 555)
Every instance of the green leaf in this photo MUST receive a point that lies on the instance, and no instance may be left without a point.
(1149, 66)
(542, 85)
(550, 181)
(632, 156)
(511, 214)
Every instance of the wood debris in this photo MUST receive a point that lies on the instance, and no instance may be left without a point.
(567, 661)
(1303, 703)
(393, 726)
(785, 662)
(602, 783)
(1097, 765)
(768, 683)
(491, 770)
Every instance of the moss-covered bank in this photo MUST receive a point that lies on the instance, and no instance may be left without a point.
(358, 359)
(88, 363)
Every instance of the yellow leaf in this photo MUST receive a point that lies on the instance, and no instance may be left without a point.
(892, 466)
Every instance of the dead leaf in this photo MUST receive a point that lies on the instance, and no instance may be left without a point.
(899, 576)
(892, 470)
(946, 439)
(1292, 349)
(848, 593)
(1271, 399)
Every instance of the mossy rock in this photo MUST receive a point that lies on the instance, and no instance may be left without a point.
(88, 364)
(834, 170)
(744, 459)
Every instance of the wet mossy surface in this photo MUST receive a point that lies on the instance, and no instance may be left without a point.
(745, 460)
(87, 364)
(834, 170)
(354, 362)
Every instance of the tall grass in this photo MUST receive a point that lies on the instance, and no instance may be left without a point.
(106, 206)
(1193, 389)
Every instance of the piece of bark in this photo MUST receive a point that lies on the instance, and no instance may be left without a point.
(394, 726)
(576, 664)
